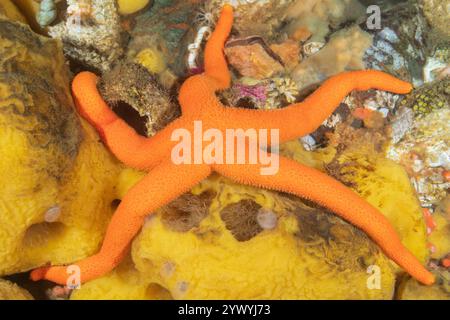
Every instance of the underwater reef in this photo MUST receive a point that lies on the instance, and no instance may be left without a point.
(60, 184)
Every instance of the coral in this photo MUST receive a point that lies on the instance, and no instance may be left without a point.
(317, 16)
(57, 180)
(91, 33)
(11, 291)
(132, 6)
(343, 52)
(134, 85)
(283, 89)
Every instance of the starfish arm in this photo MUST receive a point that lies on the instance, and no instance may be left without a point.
(215, 64)
(305, 117)
(312, 184)
(131, 148)
(163, 184)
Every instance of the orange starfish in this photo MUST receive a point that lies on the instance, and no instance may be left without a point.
(166, 180)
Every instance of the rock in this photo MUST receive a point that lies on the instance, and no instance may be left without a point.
(132, 84)
(91, 34)
(344, 51)
(251, 57)
(254, 17)
(289, 52)
(167, 26)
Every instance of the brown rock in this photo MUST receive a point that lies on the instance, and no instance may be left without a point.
(289, 52)
(252, 58)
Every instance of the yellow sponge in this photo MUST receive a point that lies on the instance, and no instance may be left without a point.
(131, 6)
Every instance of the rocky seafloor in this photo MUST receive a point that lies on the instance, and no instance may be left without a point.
(59, 184)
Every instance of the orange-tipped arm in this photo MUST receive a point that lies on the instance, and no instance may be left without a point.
(215, 64)
(302, 118)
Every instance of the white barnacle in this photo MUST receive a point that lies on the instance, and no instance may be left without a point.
(52, 214)
(266, 219)
(194, 47)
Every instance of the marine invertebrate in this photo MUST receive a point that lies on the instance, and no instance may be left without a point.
(132, 6)
(343, 52)
(134, 85)
(313, 255)
(167, 180)
(152, 60)
(194, 48)
(429, 97)
(280, 90)
(91, 33)
(47, 13)
(57, 181)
